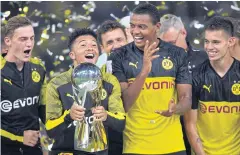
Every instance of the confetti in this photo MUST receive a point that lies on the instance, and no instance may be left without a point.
(196, 41)
(53, 28)
(6, 14)
(235, 8)
(25, 9)
(210, 13)
(61, 58)
(54, 21)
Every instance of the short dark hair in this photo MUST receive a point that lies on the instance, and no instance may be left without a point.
(237, 30)
(15, 23)
(81, 32)
(236, 26)
(219, 23)
(149, 9)
(107, 26)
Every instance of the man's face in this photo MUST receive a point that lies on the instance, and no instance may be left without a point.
(217, 44)
(175, 37)
(113, 39)
(85, 49)
(142, 29)
(21, 43)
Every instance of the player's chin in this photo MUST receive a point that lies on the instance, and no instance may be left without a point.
(140, 45)
(26, 59)
(213, 58)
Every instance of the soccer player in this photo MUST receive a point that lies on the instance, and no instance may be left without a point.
(213, 123)
(111, 35)
(173, 31)
(151, 72)
(62, 112)
(22, 87)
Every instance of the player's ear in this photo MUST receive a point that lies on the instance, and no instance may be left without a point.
(72, 55)
(7, 41)
(183, 32)
(231, 41)
(158, 25)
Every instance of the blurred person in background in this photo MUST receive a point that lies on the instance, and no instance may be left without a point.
(111, 35)
(173, 31)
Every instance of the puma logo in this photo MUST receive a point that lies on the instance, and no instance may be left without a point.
(69, 95)
(207, 88)
(8, 81)
(132, 64)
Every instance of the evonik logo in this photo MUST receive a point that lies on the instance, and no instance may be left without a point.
(7, 106)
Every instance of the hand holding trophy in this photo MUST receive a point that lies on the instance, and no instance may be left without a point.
(87, 78)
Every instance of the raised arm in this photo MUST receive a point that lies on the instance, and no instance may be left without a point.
(131, 92)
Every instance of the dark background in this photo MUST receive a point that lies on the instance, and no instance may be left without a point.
(71, 15)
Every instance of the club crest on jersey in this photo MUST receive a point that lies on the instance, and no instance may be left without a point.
(167, 64)
(104, 94)
(236, 88)
(36, 76)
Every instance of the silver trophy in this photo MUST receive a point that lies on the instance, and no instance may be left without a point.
(87, 79)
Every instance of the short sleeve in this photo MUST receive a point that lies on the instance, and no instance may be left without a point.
(183, 75)
(196, 87)
(117, 67)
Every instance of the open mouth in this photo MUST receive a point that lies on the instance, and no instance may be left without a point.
(138, 39)
(89, 56)
(27, 51)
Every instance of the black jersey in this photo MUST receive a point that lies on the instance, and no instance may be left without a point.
(20, 96)
(217, 100)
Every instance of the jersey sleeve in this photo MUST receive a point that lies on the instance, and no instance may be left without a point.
(116, 113)
(117, 67)
(196, 87)
(183, 75)
(57, 120)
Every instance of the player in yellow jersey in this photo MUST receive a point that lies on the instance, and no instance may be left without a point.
(150, 72)
(213, 123)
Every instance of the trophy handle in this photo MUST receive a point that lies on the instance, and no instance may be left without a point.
(45, 141)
